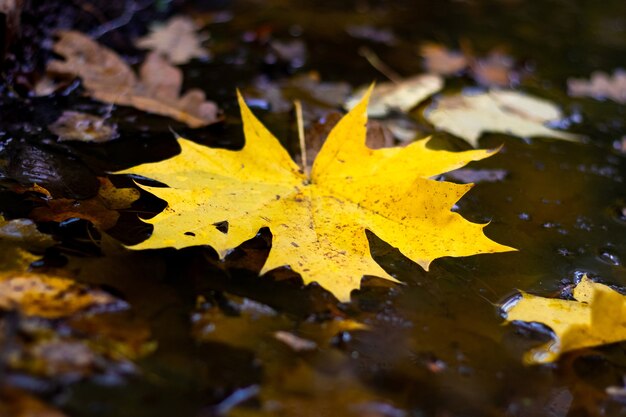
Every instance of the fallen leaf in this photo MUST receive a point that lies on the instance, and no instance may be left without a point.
(594, 317)
(601, 85)
(108, 78)
(177, 40)
(494, 70)
(18, 238)
(378, 135)
(101, 210)
(72, 125)
(440, 60)
(401, 96)
(497, 69)
(49, 296)
(502, 111)
(318, 223)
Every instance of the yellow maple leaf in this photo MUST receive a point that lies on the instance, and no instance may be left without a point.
(595, 317)
(318, 222)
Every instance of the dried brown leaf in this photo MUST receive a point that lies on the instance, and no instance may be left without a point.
(101, 210)
(108, 78)
(440, 60)
(601, 85)
(177, 40)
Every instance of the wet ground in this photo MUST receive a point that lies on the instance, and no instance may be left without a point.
(435, 346)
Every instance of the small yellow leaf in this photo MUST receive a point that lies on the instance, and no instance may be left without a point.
(318, 223)
(49, 296)
(594, 318)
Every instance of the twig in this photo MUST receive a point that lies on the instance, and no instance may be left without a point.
(300, 123)
(379, 65)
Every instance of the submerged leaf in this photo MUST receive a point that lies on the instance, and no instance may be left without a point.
(595, 317)
(318, 223)
(469, 116)
(108, 78)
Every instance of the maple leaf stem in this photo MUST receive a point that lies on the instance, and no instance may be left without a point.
(299, 121)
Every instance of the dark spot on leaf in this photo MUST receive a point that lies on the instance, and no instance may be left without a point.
(222, 226)
(190, 234)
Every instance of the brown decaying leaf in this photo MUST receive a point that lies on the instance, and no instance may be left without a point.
(108, 78)
(497, 69)
(101, 210)
(177, 40)
(601, 85)
(49, 296)
(72, 125)
(440, 60)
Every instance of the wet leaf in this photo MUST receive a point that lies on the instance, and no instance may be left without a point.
(18, 238)
(101, 210)
(108, 78)
(177, 40)
(80, 346)
(601, 86)
(49, 296)
(72, 125)
(401, 96)
(594, 317)
(318, 222)
(497, 69)
(503, 111)
(440, 60)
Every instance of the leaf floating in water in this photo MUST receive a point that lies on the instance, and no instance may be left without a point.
(402, 95)
(318, 223)
(503, 111)
(595, 317)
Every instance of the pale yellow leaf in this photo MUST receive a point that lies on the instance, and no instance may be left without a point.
(499, 111)
(402, 96)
